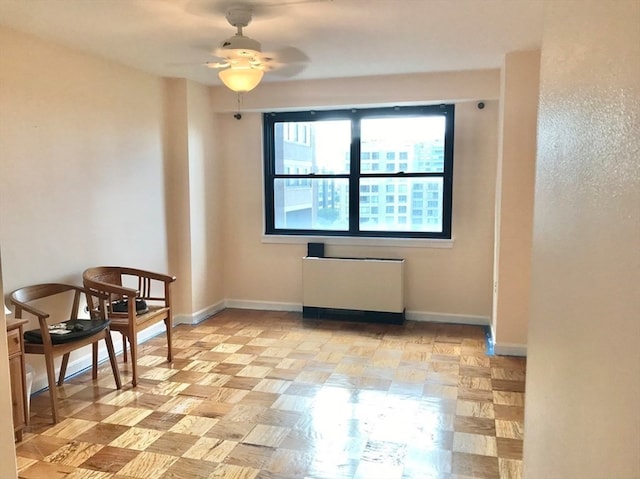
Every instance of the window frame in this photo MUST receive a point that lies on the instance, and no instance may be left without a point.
(355, 174)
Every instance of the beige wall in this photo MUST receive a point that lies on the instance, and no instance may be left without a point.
(207, 202)
(176, 160)
(376, 90)
(194, 199)
(81, 177)
(514, 200)
(440, 282)
(583, 376)
(81, 167)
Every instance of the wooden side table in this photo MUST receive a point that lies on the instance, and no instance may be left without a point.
(18, 377)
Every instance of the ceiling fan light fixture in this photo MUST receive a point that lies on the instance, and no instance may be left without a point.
(241, 79)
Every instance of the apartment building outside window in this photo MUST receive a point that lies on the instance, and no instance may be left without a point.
(371, 172)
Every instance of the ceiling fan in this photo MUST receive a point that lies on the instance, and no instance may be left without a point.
(241, 61)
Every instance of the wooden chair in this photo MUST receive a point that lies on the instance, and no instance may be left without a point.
(51, 342)
(118, 293)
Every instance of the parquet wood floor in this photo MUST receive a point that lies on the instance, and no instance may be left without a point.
(267, 395)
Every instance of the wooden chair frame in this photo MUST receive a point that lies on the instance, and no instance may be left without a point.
(106, 284)
(21, 298)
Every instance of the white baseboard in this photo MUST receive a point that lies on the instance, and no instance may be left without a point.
(199, 316)
(510, 349)
(448, 318)
(262, 305)
(410, 315)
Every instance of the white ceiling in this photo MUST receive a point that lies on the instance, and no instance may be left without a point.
(340, 38)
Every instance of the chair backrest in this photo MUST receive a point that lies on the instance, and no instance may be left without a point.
(22, 298)
(39, 291)
(26, 299)
(104, 274)
(120, 281)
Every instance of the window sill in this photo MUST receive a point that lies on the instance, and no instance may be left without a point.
(360, 241)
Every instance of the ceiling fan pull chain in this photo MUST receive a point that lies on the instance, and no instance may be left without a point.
(238, 115)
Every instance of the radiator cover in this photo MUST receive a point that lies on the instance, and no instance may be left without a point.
(370, 289)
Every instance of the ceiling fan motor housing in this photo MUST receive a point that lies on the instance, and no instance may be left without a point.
(239, 15)
(241, 46)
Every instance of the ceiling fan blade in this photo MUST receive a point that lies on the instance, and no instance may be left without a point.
(287, 3)
(287, 55)
(258, 7)
(285, 62)
(222, 64)
(285, 71)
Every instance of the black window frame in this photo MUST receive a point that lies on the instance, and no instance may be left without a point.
(356, 174)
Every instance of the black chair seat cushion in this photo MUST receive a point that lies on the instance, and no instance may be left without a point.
(78, 328)
(122, 306)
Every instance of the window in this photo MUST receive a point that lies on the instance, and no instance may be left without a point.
(341, 161)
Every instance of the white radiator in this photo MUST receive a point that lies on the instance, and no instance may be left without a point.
(374, 287)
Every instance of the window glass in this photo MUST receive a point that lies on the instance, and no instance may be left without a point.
(317, 147)
(317, 204)
(424, 215)
(420, 139)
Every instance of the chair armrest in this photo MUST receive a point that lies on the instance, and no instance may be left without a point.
(29, 309)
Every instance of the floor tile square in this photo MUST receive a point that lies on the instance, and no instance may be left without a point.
(510, 429)
(69, 428)
(136, 438)
(264, 435)
(40, 447)
(509, 448)
(74, 453)
(475, 425)
(210, 449)
(473, 465)
(185, 468)
(110, 459)
(127, 416)
(38, 470)
(148, 465)
(172, 444)
(231, 471)
(250, 455)
(475, 444)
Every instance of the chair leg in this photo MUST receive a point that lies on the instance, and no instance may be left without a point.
(63, 368)
(124, 347)
(53, 390)
(94, 361)
(112, 360)
(133, 344)
(167, 323)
